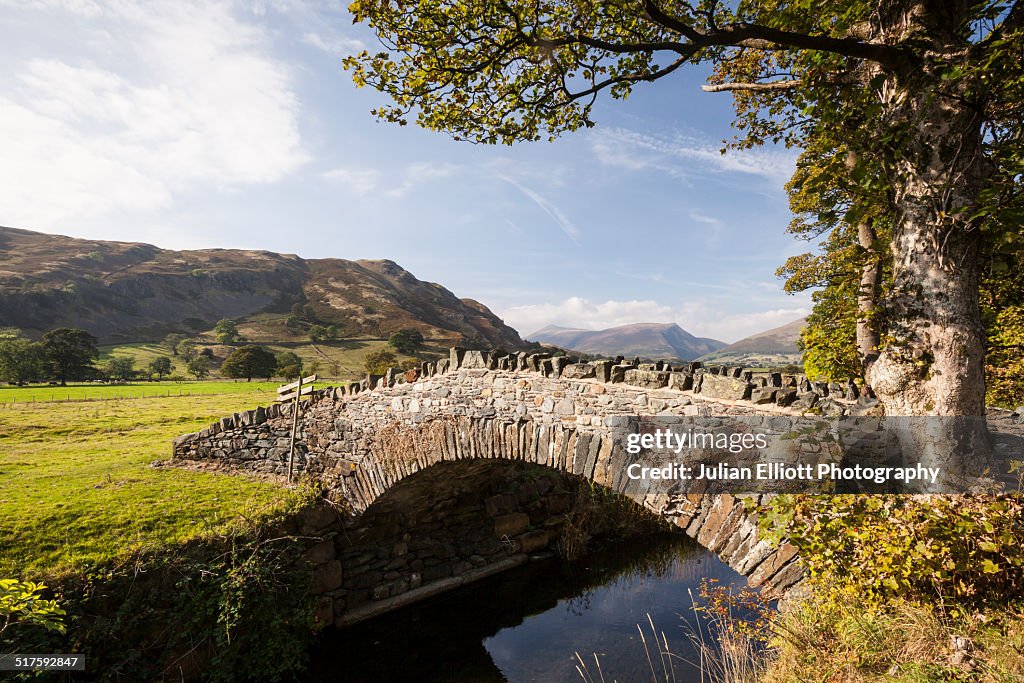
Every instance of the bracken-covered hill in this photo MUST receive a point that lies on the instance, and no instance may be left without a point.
(127, 292)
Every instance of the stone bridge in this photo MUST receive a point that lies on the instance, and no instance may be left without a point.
(364, 439)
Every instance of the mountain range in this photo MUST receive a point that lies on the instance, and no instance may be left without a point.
(647, 340)
(133, 292)
(777, 346)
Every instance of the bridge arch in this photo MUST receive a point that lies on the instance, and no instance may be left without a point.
(359, 443)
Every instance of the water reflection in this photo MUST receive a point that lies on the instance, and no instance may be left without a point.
(526, 624)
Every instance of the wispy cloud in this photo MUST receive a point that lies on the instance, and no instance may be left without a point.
(355, 180)
(698, 217)
(556, 214)
(364, 181)
(336, 46)
(423, 172)
(685, 156)
(187, 96)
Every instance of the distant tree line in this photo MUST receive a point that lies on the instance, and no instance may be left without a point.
(63, 354)
(67, 354)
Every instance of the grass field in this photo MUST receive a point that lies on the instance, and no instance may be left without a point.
(77, 487)
(95, 392)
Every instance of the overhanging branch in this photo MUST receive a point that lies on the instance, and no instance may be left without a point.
(755, 87)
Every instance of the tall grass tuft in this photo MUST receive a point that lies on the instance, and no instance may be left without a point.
(728, 638)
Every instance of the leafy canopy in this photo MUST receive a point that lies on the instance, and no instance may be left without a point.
(406, 341)
(226, 331)
(249, 361)
(120, 367)
(69, 352)
(522, 70)
(160, 366)
(289, 364)
(21, 360)
(378, 362)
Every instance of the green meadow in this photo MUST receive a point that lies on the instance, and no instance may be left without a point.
(98, 392)
(78, 489)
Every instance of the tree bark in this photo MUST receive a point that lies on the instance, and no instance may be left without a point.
(868, 338)
(932, 360)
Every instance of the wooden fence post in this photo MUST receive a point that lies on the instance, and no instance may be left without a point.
(295, 426)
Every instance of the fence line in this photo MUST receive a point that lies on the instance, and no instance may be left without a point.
(141, 395)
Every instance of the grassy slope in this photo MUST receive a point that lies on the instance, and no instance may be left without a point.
(900, 642)
(77, 488)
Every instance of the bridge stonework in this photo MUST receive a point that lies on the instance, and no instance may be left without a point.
(361, 439)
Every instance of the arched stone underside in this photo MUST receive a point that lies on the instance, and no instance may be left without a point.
(360, 439)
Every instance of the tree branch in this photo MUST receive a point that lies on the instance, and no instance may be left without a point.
(629, 78)
(766, 38)
(1014, 20)
(756, 87)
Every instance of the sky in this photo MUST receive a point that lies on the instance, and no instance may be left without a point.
(202, 124)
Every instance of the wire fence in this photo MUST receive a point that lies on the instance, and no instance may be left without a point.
(55, 397)
(59, 396)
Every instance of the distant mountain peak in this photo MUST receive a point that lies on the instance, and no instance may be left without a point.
(647, 340)
(775, 346)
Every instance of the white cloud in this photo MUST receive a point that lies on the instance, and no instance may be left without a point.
(186, 96)
(701, 319)
(685, 156)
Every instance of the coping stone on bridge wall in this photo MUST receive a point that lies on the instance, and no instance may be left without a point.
(603, 370)
(618, 373)
(579, 371)
(680, 381)
(723, 387)
(647, 378)
(534, 360)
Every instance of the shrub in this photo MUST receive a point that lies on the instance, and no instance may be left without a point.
(288, 364)
(871, 549)
(21, 602)
(407, 341)
(378, 362)
(226, 331)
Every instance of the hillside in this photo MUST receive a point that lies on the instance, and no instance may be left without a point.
(777, 346)
(134, 292)
(647, 340)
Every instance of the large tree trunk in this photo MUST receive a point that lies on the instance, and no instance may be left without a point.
(932, 357)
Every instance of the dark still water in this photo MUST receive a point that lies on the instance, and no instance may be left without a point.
(527, 624)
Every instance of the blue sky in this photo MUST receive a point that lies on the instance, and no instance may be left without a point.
(231, 124)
